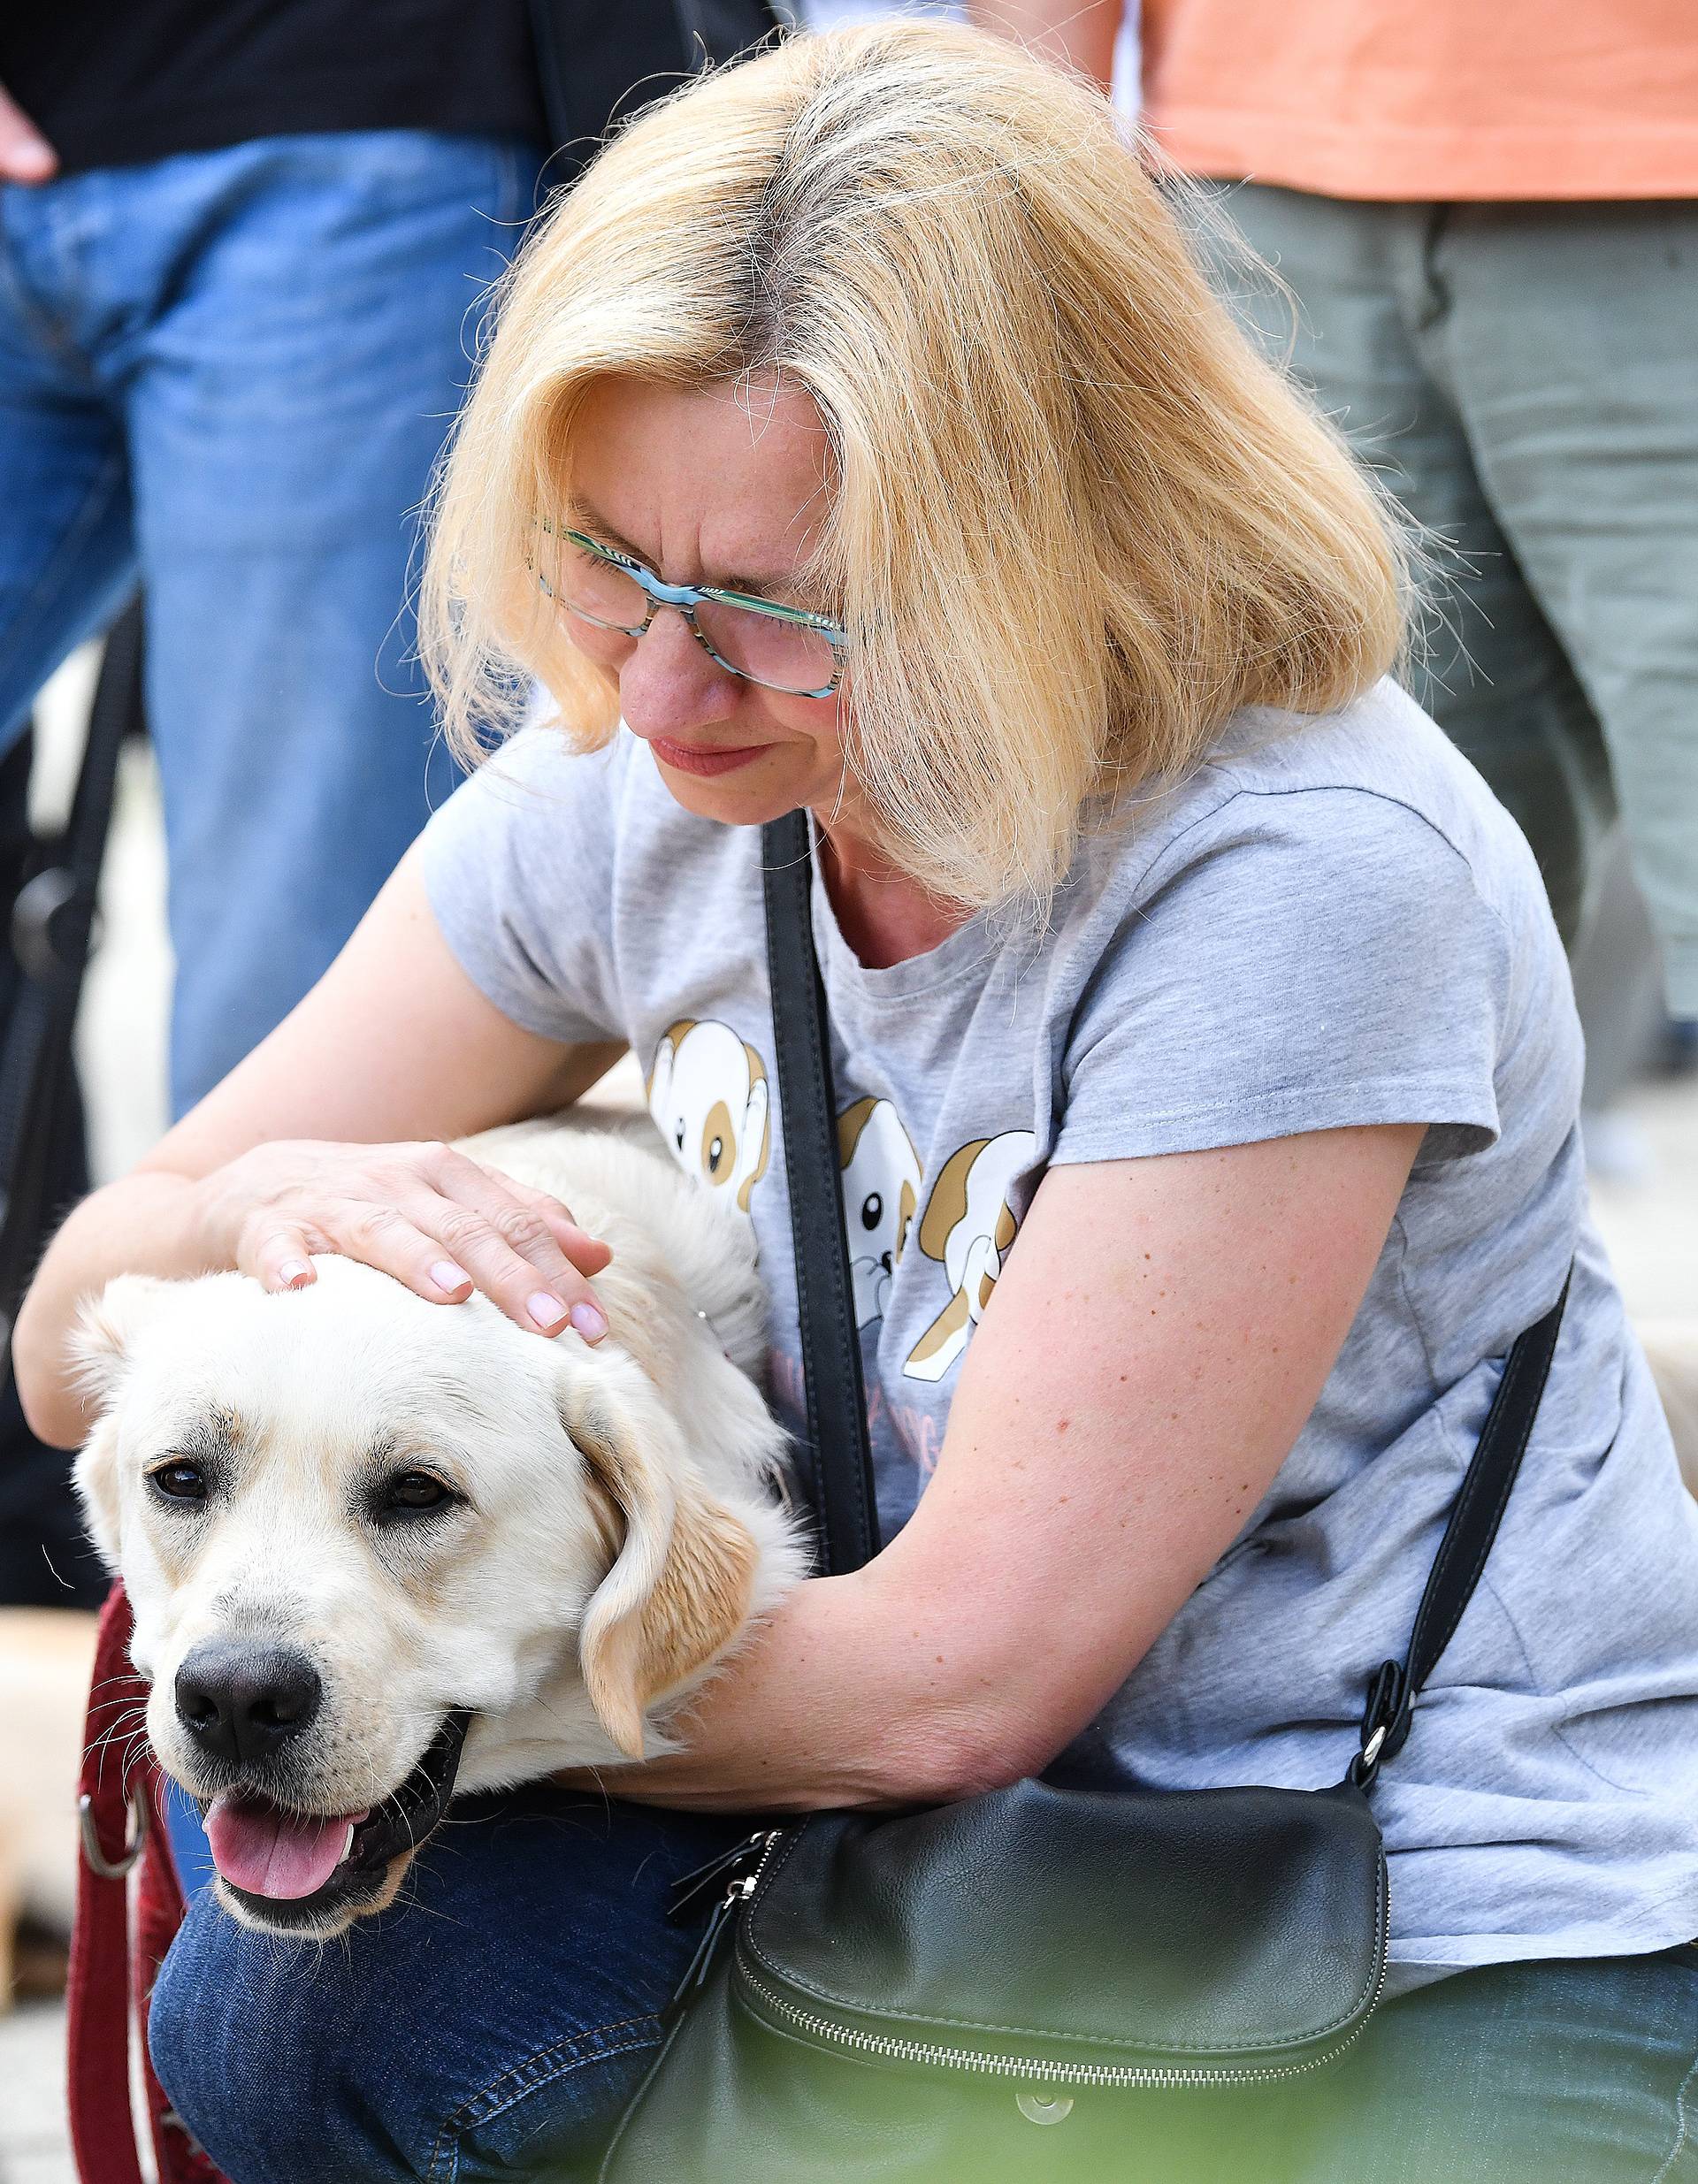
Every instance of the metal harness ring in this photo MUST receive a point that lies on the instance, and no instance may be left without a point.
(110, 1869)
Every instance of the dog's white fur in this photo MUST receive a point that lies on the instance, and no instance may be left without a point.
(622, 1533)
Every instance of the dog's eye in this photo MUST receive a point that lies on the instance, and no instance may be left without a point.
(181, 1481)
(409, 1491)
(872, 1210)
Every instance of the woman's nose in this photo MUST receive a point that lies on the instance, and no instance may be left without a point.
(672, 681)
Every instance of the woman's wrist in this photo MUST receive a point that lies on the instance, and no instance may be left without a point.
(144, 1224)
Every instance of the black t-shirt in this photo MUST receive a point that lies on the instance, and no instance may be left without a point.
(112, 85)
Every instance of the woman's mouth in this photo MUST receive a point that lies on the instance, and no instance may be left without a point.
(689, 758)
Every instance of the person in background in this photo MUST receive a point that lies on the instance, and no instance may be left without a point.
(1487, 219)
(242, 252)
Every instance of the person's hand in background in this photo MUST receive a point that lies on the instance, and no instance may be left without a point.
(26, 156)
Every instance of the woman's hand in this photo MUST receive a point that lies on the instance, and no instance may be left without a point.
(26, 156)
(313, 1144)
(436, 1220)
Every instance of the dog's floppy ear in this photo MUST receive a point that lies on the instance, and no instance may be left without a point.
(101, 1346)
(679, 1589)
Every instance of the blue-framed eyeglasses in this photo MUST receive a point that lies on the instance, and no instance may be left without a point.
(782, 648)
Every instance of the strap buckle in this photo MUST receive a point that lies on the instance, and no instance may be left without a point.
(1385, 1721)
(110, 1868)
(51, 923)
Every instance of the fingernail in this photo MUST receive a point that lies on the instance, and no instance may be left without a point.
(590, 1320)
(293, 1273)
(448, 1276)
(548, 1312)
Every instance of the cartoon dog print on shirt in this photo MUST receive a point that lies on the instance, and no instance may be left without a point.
(881, 1195)
(968, 1226)
(708, 1095)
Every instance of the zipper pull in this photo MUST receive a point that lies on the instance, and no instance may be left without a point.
(702, 1964)
(701, 1879)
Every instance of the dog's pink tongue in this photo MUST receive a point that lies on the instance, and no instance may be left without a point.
(270, 1853)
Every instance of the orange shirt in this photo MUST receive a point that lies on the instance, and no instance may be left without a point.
(1429, 98)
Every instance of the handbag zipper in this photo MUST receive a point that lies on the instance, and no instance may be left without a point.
(740, 1887)
(1032, 2071)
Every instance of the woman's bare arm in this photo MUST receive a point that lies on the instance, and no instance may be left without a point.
(393, 1045)
(1161, 1331)
(1079, 32)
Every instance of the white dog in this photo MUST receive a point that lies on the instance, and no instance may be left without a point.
(375, 1544)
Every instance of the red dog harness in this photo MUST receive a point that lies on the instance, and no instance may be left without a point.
(119, 1801)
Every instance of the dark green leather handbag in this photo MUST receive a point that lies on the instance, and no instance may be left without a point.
(995, 1988)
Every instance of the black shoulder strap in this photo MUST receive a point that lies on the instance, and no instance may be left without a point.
(836, 1410)
(1475, 1515)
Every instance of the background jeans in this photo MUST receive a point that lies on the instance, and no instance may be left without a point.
(495, 2022)
(231, 372)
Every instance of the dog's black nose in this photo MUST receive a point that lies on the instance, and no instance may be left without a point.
(241, 1701)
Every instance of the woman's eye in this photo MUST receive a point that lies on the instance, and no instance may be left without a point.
(416, 1490)
(183, 1482)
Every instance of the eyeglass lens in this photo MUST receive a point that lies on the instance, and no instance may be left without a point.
(787, 655)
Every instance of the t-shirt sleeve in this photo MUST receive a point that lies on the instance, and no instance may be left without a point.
(1303, 961)
(518, 870)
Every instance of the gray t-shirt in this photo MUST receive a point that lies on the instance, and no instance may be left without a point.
(1332, 922)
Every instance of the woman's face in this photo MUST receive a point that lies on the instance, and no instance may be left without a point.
(726, 484)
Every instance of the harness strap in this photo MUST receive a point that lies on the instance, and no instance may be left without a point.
(123, 1832)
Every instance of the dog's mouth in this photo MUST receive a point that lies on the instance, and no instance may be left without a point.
(291, 1869)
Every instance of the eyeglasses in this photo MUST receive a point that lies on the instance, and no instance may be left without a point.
(783, 648)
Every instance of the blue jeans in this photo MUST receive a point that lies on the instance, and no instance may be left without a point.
(229, 373)
(494, 2024)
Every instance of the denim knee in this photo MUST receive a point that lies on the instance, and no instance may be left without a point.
(288, 2068)
(268, 2081)
(498, 2015)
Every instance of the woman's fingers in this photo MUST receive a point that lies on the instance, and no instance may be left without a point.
(512, 1256)
(537, 1224)
(281, 1257)
(588, 1254)
(443, 1226)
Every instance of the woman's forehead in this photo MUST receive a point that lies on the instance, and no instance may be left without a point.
(728, 483)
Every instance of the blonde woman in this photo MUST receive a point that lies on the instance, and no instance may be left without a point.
(858, 437)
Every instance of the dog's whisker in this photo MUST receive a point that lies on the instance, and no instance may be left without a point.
(120, 1698)
(130, 1713)
(118, 1730)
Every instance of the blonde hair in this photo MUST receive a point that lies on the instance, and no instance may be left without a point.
(1077, 522)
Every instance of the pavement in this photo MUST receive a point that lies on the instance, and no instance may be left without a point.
(32, 2145)
(1648, 1214)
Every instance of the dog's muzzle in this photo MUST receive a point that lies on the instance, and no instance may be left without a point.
(299, 1872)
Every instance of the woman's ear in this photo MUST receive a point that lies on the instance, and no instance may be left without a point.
(681, 1583)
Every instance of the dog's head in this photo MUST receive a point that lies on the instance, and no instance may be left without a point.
(349, 1522)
